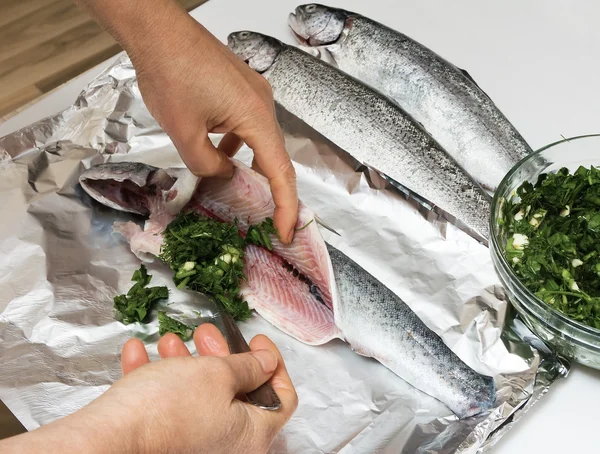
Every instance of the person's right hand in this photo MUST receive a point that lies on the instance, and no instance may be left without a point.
(193, 85)
(189, 404)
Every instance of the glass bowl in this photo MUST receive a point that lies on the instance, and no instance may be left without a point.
(578, 342)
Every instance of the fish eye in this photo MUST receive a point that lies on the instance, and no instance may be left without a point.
(244, 35)
(311, 8)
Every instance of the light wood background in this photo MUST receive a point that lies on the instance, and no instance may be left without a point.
(45, 43)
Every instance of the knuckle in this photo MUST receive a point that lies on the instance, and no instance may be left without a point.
(210, 167)
(252, 368)
(218, 370)
(266, 88)
(286, 169)
(253, 99)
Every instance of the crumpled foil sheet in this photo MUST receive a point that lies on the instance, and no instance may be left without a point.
(61, 266)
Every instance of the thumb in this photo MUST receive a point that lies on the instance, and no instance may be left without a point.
(251, 370)
(203, 159)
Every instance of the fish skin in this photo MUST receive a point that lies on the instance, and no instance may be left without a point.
(377, 323)
(441, 96)
(359, 309)
(367, 125)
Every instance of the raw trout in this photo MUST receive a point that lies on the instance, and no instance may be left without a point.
(307, 289)
(367, 125)
(442, 97)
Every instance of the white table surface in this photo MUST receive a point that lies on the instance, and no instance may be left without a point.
(538, 59)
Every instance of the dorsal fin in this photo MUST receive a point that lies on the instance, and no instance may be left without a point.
(468, 76)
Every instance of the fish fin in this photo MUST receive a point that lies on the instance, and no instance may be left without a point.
(468, 76)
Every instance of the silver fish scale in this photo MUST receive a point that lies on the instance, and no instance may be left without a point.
(453, 109)
(373, 319)
(378, 133)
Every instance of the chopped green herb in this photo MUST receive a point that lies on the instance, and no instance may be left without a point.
(167, 324)
(207, 256)
(259, 234)
(135, 305)
(553, 241)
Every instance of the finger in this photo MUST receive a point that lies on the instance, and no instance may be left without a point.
(280, 381)
(133, 355)
(230, 144)
(170, 345)
(273, 160)
(250, 370)
(209, 341)
(203, 159)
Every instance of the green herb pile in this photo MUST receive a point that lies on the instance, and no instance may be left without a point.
(553, 241)
(136, 304)
(206, 255)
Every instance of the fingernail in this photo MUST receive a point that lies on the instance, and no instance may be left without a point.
(211, 344)
(267, 360)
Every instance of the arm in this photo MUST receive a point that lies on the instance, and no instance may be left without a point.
(85, 431)
(193, 85)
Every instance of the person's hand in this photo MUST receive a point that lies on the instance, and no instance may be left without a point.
(190, 404)
(178, 404)
(193, 84)
(196, 86)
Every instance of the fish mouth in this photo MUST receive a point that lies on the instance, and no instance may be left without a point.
(291, 286)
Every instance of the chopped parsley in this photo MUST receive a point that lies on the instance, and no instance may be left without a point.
(136, 304)
(167, 324)
(553, 241)
(206, 256)
(259, 234)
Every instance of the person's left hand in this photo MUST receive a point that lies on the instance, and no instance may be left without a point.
(190, 403)
(178, 404)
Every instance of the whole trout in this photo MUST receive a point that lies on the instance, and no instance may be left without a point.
(367, 125)
(442, 97)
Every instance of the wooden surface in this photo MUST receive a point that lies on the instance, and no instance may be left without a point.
(44, 43)
(9, 425)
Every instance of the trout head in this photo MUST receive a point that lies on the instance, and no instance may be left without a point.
(318, 25)
(258, 50)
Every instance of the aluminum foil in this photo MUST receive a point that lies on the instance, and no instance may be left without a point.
(61, 267)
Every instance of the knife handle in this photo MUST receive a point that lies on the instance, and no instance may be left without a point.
(265, 396)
